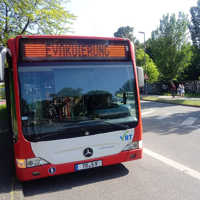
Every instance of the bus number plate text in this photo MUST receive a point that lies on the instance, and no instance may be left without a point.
(88, 165)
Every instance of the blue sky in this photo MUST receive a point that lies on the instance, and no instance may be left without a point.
(104, 17)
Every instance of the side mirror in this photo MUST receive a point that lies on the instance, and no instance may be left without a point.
(140, 75)
(3, 53)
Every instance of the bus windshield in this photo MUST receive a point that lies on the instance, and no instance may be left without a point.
(64, 97)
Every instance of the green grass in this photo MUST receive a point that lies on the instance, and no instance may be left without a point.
(3, 113)
(173, 101)
(193, 95)
(2, 86)
(166, 94)
(2, 92)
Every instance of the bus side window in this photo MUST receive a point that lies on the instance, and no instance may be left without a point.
(10, 99)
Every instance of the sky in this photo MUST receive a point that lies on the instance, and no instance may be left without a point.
(103, 17)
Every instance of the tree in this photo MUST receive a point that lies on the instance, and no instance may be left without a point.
(195, 25)
(19, 17)
(168, 46)
(148, 65)
(125, 32)
(193, 72)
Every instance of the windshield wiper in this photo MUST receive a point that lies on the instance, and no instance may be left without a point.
(79, 124)
(112, 124)
(39, 137)
(59, 132)
(91, 120)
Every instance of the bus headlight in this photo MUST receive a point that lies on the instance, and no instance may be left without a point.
(31, 162)
(34, 162)
(133, 145)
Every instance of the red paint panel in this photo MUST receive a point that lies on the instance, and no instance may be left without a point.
(26, 174)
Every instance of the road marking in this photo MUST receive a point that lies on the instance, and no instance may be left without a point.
(174, 164)
(149, 111)
(188, 121)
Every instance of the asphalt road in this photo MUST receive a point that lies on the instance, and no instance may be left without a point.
(6, 165)
(170, 168)
(173, 131)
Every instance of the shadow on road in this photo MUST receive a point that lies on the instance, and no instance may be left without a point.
(151, 104)
(69, 181)
(170, 123)
(6, 166)
(6, 158)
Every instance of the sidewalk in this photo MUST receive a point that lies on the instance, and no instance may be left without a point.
(171, 98)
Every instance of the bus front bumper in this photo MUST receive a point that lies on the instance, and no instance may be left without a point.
(26, 174)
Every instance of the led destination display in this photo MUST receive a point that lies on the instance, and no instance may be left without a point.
(73, 50)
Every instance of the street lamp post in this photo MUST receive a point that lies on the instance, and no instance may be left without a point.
(145, 89)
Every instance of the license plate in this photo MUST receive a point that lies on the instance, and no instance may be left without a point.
(88, 165)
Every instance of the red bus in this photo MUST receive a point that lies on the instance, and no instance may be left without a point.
(73, 101)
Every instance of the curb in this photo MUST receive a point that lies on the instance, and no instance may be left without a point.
(16, 192)
(166, 102)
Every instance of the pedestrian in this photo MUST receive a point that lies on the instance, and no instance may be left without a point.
(179, 90)
(124, 97)
(173, 89)
(182, 90)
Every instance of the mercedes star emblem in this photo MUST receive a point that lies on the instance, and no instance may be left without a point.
(88, 152)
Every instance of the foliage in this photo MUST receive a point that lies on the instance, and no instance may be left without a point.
(195, 25)
(147, 63)
(169, 48)
(125, 32)
(2, 91)
(192, 72)
(33, 17)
